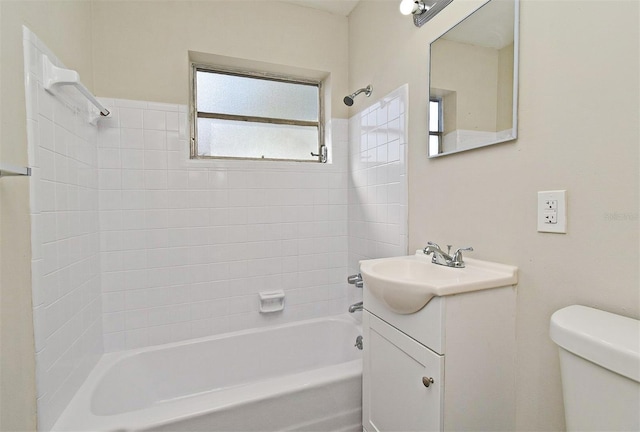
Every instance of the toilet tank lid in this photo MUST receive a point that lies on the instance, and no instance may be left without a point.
(609, 340)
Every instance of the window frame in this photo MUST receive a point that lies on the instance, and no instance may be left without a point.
(321, 155)
(440, 132)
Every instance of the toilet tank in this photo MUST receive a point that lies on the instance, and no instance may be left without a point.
(600, 368)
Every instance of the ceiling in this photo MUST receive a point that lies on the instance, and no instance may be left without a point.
(338, 7)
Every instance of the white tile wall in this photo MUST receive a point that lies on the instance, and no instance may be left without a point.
(187, 244)
(377, 181)
(65, 237)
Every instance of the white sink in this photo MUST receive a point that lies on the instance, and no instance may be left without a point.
(405, 284)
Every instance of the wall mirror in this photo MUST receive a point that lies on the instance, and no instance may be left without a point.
(473, 81)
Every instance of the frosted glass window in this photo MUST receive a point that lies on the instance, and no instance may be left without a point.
(435, 126)
(239, 139)
(434, 144)
(239, 95)
(256, 117)
(434, 115)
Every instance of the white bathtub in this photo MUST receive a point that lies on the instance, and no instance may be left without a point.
(299, 376)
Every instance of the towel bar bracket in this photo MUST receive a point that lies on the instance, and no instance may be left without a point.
(56, 76)
(7, 170)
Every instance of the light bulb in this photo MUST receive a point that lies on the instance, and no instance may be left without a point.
(407, 7)
(416, 7)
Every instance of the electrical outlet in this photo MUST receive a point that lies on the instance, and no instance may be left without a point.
(552, 211)
(550, 217)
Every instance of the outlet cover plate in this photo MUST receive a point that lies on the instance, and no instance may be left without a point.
(550, 219)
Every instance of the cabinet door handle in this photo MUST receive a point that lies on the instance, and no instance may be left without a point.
(427, 381)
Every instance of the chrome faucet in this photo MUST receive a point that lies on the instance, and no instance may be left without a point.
(355, 307)
(441, 257)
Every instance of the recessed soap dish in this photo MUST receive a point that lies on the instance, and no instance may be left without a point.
(271, 301)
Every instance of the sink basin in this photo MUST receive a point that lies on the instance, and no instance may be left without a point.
(406, 284)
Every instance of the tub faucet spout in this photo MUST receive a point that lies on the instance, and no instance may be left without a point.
(355, 307)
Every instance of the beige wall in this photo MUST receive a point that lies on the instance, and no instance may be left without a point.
(141, 47)
(578, 130)
(65, 25)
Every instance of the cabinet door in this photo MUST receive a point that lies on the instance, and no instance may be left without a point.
(395, 398)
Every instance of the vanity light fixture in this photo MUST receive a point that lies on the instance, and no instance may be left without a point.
(422, 11)
(408, 7)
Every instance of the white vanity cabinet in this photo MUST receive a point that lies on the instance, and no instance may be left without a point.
(448, 367)
(397, 371)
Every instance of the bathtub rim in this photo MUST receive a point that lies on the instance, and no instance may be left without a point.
(78, 414)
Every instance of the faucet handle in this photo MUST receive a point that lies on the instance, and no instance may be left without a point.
(457, 256)
(356, 280)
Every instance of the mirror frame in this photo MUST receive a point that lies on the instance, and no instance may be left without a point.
(516, 55)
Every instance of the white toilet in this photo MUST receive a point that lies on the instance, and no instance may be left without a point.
(600, 367)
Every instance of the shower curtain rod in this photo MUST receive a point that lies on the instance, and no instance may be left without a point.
(54, 76)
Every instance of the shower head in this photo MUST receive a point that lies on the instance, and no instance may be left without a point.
(348, 100)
